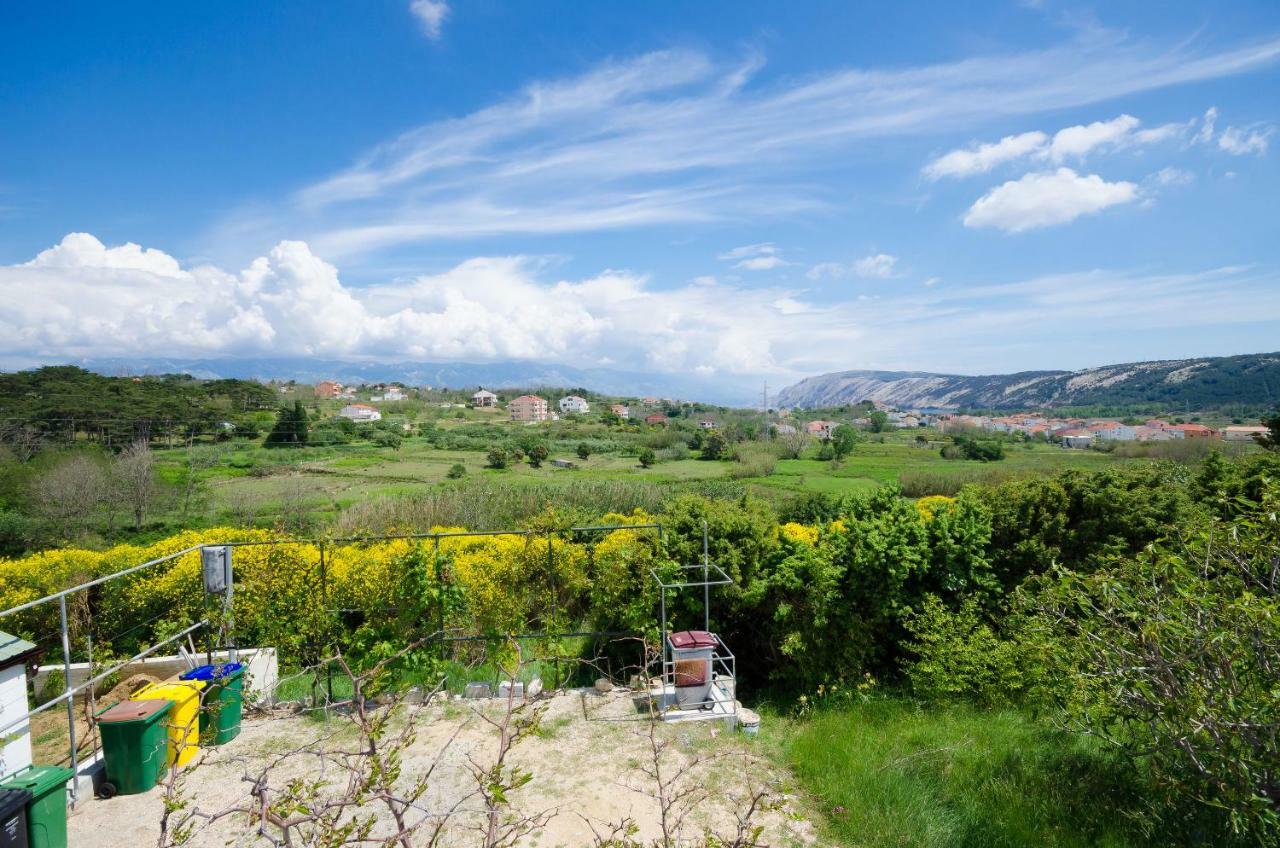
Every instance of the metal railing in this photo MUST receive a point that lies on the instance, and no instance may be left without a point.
(70, 691)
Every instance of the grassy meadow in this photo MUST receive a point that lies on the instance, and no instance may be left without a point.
(253, 484)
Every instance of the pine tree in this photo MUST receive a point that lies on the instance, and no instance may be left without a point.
(290, 427)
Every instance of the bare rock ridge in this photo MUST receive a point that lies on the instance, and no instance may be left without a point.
(1251, 379)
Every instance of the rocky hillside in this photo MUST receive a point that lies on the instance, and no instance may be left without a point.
(1190, 383)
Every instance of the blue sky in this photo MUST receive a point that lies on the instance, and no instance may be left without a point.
(727, 190)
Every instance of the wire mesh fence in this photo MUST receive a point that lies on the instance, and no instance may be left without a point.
(569, 600)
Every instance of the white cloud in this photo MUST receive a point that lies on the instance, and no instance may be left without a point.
(1241, 142)
(704, 280)
(1045, 200)
(880, 265)
(766, 248)
(673, 137)
(1078, 141)
(1206, 126)
(755, 257)
(984, 157)
(761, 263)
(289, 302)
(431, 15)
(1169, 177)
(81, 250)
(932, 281)
(1075, 142)
(823, 270)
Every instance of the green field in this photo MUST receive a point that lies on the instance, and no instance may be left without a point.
(329, 479)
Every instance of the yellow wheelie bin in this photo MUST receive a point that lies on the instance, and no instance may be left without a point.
(184, 717)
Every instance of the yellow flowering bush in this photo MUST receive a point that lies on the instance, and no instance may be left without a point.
(933, 504)
(794, 532)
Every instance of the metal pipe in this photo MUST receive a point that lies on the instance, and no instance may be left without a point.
(324, 598)
(53, 702)
(71, 705)
(555, 603)
(706, 577)
(93, 704)
(440, 610)
(229, 611)
(62, 594)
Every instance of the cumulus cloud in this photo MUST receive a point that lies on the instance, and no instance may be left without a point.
(1046, 199)
(97, 301)
(1240, 142)
(431, 15)
(129, 301)
(81, 250)
(1069, 143)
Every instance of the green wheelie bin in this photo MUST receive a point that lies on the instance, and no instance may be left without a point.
(135, 742)
(47, 812)
(223, 701)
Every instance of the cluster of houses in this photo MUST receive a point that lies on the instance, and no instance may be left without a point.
(535, 408)
(331, 389)
(1085, 432)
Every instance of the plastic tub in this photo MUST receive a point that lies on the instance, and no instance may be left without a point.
(134, 743)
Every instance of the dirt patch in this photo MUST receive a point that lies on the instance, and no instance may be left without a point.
(586, 760)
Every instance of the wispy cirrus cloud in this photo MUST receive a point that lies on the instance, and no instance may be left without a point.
(677, 137)
(876, 265)
(1241, 142)
(431, 15)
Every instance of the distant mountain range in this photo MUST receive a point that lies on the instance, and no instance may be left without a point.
(721, 389)
(1179, 383)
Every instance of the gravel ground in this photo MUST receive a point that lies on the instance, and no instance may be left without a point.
(585, 761)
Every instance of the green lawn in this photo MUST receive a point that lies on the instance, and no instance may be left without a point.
(890, 773)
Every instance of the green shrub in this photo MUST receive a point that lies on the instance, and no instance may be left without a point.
(967, 447)
(1171, 655)
(457, 471)
(498, 457)
(960, 656)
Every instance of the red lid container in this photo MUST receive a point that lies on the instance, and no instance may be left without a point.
(686, 639)
(134, 710)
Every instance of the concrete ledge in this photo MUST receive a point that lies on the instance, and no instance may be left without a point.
(262, 672)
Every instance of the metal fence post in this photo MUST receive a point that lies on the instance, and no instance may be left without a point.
(324, 606)
(67, 691)
(440, 606)
(706, 586)
(555, 603)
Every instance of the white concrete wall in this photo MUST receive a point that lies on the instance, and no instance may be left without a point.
(15, 754)
(261, 675)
